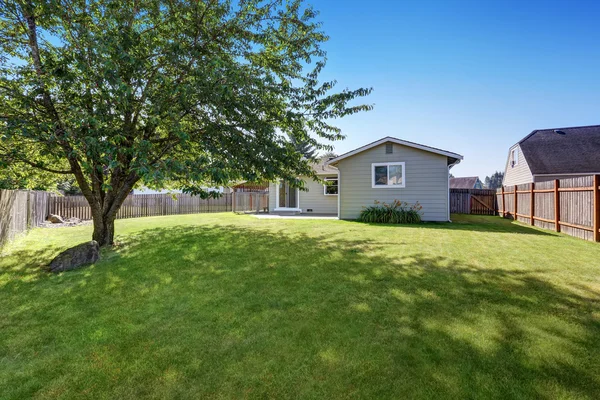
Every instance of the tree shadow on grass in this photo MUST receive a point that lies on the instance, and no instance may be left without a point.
(489, 224)
(330, 317)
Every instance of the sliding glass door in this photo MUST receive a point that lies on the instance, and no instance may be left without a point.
(288, 196)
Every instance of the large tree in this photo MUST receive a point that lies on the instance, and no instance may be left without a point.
(494, 181)
(117, 92)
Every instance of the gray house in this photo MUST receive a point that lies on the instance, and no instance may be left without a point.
(549, 154)
(384, 170)
(319, 199)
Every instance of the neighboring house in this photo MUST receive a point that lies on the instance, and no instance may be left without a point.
(550, 154)
(318, 199)
(468, 182)
(385, 170)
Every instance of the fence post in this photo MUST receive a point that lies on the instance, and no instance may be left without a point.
(516, 187)
(556, 207)
(29, 210)
(596, 208)
(233, 201)
(503, 204)
(532, 204)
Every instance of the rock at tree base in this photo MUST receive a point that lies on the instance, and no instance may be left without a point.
(76, 257)
(55, 219)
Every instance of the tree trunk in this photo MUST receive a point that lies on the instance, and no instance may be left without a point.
(104, 229)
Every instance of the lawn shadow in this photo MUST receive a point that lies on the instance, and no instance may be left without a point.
(341, 317)
(475, 224)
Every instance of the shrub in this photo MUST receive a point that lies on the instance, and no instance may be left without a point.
(397, 212)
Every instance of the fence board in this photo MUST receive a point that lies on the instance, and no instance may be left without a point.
(142, 205)
(571, 200)
(473, 201)
(250, 202)
(21, 210)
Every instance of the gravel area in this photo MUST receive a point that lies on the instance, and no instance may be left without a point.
(68, 222)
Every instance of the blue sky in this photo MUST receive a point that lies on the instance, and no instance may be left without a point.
(469, 77)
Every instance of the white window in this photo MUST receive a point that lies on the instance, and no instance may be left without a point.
(515, 157)
(388, 175)
(330, 188)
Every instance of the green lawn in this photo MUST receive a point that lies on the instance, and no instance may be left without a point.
(226, 306)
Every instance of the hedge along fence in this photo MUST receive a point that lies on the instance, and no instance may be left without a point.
(571, 205)
(21, 210)
(143, 205)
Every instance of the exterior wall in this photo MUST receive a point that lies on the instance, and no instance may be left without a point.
(546, 178)
(316, 200)
(313, 199)
(272, 189)
(426, 181)
(520, 173)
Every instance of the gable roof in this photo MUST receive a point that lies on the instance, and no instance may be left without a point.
(324, 169)
(563, 150)
(467, 182)
(455, 156)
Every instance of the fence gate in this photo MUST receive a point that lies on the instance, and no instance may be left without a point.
(473, 201)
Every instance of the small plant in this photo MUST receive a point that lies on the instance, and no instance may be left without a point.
(397, 212)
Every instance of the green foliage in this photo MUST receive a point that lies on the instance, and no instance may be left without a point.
(397, 212)
(196, 94)
(494, 181)
(17, 176)
(328, 155)
(306, 148)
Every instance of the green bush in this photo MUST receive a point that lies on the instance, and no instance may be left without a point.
(398, 212)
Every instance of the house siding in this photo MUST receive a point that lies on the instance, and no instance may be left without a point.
(520, 173)
(546, 178)
(272, 199)
(426, 181)
(313, 198)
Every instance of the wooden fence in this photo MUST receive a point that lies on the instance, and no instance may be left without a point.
(21, 210)
(251, 202)
(143, 205)
(571, 206)
(473, 201)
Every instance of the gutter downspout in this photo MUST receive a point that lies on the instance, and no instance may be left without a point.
(339, 193)
(450, 166)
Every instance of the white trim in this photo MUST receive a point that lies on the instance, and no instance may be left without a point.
(567, 174)
(287, 209)
(339, 195)
(397, 141)
(325, 186)
(277, 208)
(449, 167)
(514, 154)
(388, 186)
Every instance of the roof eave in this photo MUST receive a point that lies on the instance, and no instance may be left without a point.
(401, 142)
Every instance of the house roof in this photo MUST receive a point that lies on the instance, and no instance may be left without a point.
(455, 156)
(324, 169)
(467, 182)
(563, 150)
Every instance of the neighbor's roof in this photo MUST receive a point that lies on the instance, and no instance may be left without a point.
(324, 169)
(406, 143)
(563, 150)
(467, 182)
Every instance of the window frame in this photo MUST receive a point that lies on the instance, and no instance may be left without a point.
(515, 160)
(337, 185)
(388, 185)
